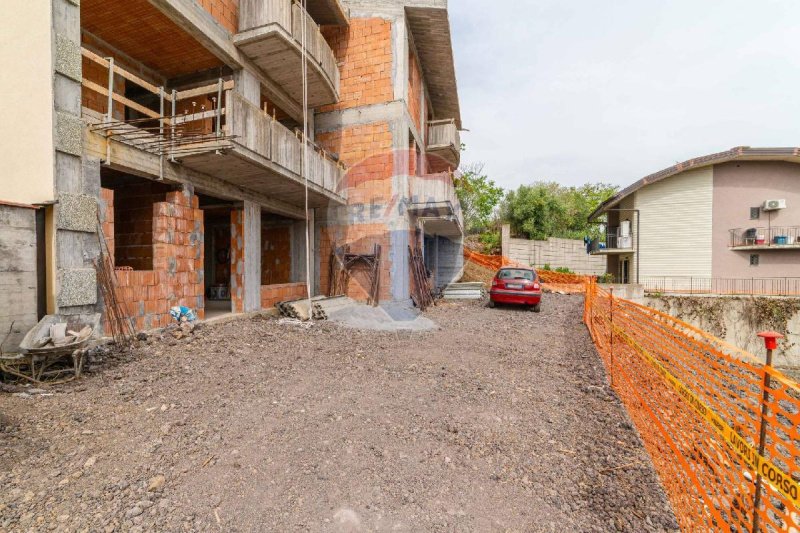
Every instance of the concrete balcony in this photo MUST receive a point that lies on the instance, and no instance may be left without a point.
(617, 241)
(433, 198)
(270, 34)
(444, 142)
(267, 157)
(211, 129)
(772, 238)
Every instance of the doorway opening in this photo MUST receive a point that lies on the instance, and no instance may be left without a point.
(217, 263)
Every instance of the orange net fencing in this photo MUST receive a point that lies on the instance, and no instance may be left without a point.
(554, 281)
(697, 403)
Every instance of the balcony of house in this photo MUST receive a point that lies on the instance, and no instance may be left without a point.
(271, 35)
(433, 198)
(772, 238)
(617, 240)
(444, 145)
(208, 128)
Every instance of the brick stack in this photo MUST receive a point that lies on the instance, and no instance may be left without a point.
(272, 294)
(177, 274)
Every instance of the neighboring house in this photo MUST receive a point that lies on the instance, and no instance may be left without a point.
(731, 217)
(179, 125)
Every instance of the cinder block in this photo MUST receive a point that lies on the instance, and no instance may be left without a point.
(76, 212)
(69, 134)
(77, 287)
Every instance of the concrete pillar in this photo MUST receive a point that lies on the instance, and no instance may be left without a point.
(247, 85)
(505, 240)
(298, 251)
(252, 256)
(77, 181)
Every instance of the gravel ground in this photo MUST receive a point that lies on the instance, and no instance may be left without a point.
(499, 421)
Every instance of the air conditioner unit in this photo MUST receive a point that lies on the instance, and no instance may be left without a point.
(773, 205)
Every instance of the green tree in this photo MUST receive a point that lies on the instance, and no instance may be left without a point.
(547, 209)
(479, 198)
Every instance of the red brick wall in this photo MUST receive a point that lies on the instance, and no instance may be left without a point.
(367, 151)
(414, 90)
(177, 274)
(226, 12)
(364, 51)
(237, 260)
(99, 74)
(362, 238)
(272, 294)
(276, 255)
(134, 226)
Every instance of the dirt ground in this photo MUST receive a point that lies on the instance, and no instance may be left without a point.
(499, 421)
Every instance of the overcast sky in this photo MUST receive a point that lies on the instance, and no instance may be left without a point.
(589, 90)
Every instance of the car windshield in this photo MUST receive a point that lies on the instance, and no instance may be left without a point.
(515, 273)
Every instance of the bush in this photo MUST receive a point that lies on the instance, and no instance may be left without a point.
(490, 242)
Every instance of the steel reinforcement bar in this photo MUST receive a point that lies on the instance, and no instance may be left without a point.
(698, 404)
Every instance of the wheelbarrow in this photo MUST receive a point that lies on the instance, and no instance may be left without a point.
(53, 350)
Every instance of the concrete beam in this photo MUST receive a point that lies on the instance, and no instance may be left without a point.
(134, 161)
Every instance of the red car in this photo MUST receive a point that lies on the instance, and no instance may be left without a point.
(520, 286)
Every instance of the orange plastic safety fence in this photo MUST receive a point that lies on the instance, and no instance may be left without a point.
(556, 281)
(697, 402)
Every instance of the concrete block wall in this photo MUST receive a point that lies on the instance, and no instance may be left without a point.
(177, 274)
(18, 272)
(568, 253)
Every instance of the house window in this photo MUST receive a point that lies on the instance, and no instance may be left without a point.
(753, 260)
(755, 213)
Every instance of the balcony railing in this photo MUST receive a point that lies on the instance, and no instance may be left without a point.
(786, 286)
(271, 32)
(444, 140)
(615, 240)
(436, 194)
(256, 131)
(214, 130)
(766, 238)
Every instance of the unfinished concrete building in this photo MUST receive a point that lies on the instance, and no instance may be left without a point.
(175, 129)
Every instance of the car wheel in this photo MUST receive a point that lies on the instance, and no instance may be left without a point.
(490, 304)
(536, 308)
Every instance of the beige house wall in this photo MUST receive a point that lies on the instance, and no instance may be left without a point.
(27, 146)
(738, 186)
(675, 226)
